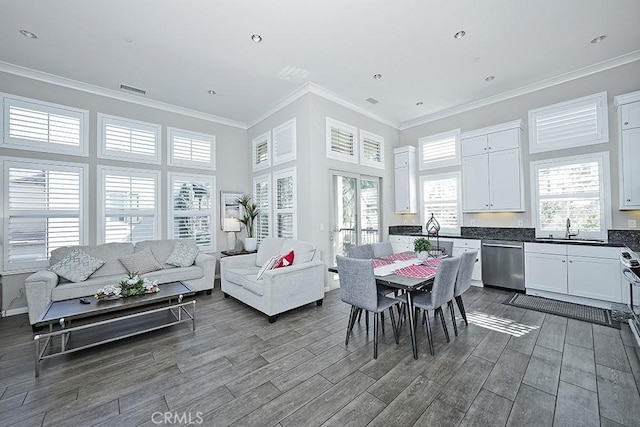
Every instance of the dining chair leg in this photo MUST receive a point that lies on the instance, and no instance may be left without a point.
(382, 321)
(444, 323)
(366, 313)
(375, 335)
(429, 338)
(453, 317)
(359, 315)
(461, 308)
(352, 321)
(396, 333)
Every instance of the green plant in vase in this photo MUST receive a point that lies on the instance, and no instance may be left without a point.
(251, 211)
(422, 246)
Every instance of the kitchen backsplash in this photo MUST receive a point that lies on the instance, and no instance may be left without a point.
(499, 233)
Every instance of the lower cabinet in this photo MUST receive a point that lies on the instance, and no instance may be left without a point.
(401, 243)
(576, 270)
(463, 245)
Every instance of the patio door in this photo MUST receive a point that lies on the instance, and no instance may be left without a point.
(355, 211)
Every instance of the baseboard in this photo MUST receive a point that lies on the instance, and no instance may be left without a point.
(15, 311)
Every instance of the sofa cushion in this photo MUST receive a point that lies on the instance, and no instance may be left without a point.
(108, 252)
(268, 247)
(304, 250)
(77, 266)
(162, 249)
(268, 265)
(285, 260)
(245, 277)
(141, 262)
(182, 255)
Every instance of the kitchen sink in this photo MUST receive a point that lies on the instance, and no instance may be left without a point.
(571, 240)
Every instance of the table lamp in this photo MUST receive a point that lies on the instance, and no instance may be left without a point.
(231, 226)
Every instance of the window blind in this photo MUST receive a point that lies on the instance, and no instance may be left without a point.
(192, 211)
(440, 198)
(43, 211)
(285, 195)
(262, 151)
(262, 197)
(284, 142)
(439, 150)
(372, 150)
(189, 149)
(130, 140)
(342, 142)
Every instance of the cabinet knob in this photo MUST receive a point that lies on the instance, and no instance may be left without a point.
(571, 262)
(626, 123)
(486, 206)
(564, 261)
(628, 200)
(485, 148)
(489, 148)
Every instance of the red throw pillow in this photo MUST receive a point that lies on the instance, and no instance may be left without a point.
(285, 260)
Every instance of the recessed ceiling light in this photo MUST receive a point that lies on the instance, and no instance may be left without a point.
(488, 79)
(419, 103)
(460, 34)
(377, 76)
(211, 92)
(476, 59)
(28, 34)
(598, 39)
(256, 38)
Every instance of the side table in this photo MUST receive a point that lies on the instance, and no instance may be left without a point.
(234, 253)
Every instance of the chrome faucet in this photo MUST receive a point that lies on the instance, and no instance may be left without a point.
(568, 234)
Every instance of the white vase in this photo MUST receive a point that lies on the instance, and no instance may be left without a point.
(250, 244)
(422, 255)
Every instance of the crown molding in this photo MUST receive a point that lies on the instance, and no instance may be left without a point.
(114, 94)
(324, 93)
(563, 78)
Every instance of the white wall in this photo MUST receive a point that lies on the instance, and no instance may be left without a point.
(232, 152)
(616, 81)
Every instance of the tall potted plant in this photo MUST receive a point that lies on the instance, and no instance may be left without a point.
(249, 215)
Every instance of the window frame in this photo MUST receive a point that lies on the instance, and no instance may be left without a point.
(51, 108)
(7, 163)
(288, 126)
(602, 123)
(104, 120)
(284, 173)
(333, 123)
(605, 190)
(198, 164)
(101, 193)
(264, 138)
(211, 212)
(266, 178)
(434, 164)
(436, 177)
(363, 134)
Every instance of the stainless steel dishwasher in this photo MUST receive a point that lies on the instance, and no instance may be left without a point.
(503, 264)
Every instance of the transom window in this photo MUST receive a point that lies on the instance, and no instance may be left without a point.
(342, 143)
(440, 197)
(574, 188)
(284, 142)
(439, 150)
(191, 149)
(261, 148)
(127, 139)
(371, 149)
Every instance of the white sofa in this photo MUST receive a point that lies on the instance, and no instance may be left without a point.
(45, 286)
(280, 289)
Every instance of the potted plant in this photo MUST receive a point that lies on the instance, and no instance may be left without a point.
(421, 246)
(249, 215)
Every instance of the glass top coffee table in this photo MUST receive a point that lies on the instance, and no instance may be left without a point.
(103, 321)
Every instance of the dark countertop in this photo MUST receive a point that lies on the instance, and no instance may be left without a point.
(617, 238)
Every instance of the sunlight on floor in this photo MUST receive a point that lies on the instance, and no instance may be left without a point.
(499, 324)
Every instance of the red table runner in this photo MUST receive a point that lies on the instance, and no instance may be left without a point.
(380, 262)
(422, 271)
(403, 256)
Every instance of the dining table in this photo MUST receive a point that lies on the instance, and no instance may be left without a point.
(409, 276)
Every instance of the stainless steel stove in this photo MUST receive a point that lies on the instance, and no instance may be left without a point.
(631, 270)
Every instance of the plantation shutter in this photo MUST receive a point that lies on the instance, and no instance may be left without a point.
(439, 150)
(261, 196)
(192, 209)
(129, 140)
(261, 154)
(284, 142)
(189, 148)
(43, 210)
(372, 149)
(341, 141)
(130, 207)
(285, 205)
(441, 199)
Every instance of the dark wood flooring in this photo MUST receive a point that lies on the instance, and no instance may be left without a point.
(510, 366)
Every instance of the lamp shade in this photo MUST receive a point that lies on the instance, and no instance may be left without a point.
(231, 224)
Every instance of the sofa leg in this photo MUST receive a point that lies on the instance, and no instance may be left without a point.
(209, 291)
(319, 302)
(35, 328)
(272, 319)
(226, 295)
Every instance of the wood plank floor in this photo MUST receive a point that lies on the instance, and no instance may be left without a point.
(510, 366)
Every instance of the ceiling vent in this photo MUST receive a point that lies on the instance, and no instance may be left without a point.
(133, 89)
(372, 101)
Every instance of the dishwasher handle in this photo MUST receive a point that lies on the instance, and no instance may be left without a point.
(494, 245)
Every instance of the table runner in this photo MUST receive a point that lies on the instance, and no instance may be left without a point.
(380, 262)
(422, 271)
(403, 256)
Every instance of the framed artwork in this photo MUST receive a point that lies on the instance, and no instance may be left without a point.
(229, 206)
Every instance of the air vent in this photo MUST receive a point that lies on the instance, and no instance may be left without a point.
(133, 89)
(372, 100)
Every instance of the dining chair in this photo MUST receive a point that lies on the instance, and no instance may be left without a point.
(441, 293)
(358, 288)
(381, 249)
(446, 247)
(360, 251)
(463, 283)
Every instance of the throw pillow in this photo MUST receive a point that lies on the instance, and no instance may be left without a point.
(268, 265)
(183, 255)
(77, 266)
(285, 260)
(141, 262)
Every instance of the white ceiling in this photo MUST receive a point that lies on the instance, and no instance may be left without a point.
(177, 50)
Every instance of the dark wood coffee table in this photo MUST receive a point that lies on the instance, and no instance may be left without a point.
(103, 321)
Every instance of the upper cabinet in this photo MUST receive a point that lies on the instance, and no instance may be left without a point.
(405, 179)
(629, 114)
(492, 169)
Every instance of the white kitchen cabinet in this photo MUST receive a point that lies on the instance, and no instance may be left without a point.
(401, 243)
(629, 115)
(461, 246)
(575, 270)
(405, 179)
(492, 169)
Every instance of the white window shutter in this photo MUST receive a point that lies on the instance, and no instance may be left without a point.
(192, 209)
(284, 142)
(125, 139)
(372, 149)
(285, 204)
(262, 198)
(439, 150)
(261, 148)
(440, 198)
(342, 141)
(191, 149)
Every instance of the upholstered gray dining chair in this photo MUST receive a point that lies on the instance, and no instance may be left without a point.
(358, 288)
(463, 283)
(381, 249)
(360, 251)
(441, 293)
(446, 247)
